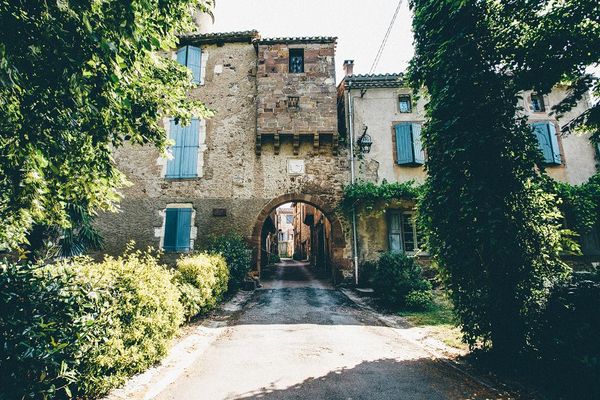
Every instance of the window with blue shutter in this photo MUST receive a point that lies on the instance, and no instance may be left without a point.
(178, 227)
(409, 150)
(545, 133)
(184, 161)
(191, 57)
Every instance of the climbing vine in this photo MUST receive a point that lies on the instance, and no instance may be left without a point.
(580, 204)
(370, 197)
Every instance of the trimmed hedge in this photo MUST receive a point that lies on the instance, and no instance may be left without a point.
(80, 328)
(202, 279)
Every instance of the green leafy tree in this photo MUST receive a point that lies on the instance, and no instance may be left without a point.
(492, 227)
(78, 79)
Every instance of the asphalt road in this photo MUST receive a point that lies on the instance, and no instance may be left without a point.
(298, 338)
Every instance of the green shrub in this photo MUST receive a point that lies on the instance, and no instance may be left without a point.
(237, 254)
(419, 300)
(567, 338)
(208, 275)
(80, 328)
(366, 272)
(274, 258)
(395, 277)
(48, 326)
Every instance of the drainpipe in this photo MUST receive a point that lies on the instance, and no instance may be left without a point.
(352, 181)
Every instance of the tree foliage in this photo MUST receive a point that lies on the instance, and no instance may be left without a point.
(492, 227)
(77, 79)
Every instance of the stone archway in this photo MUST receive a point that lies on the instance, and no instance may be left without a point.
(338, 239)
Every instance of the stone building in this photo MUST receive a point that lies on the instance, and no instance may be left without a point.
(272, 140)
(384, 108)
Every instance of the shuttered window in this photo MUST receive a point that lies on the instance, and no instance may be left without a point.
(191, 57)
(409, 150)
(178, 226)
(184, 160)
(545, 133)
(402, 231)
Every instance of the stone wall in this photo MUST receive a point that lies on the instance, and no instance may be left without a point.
(234, 178)
(315, 88)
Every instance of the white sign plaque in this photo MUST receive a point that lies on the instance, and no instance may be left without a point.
(295, 167)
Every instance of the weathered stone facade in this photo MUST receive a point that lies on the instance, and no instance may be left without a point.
(296, 106)
(237, 189)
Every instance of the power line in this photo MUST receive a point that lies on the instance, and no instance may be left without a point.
(385, 39)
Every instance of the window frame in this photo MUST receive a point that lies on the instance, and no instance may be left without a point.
(194, 128)
(196, 79)
(165, 226)
(410, 105)
(405, 215)
(554, 140)
(295, 52)
(542, 101)
(417, 156)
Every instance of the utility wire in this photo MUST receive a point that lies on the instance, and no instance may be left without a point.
(385, 39)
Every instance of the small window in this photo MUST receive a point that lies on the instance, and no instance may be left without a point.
(296, 61)
(409, 150)
(547, 139)
(178, 227)
(289, 219)
(293, 101)
(537, 103)
(405, 103)
(402, 231)
(191, 57)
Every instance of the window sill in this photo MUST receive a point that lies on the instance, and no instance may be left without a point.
(181, 178)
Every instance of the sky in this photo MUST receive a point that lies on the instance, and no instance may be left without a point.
(359, 25)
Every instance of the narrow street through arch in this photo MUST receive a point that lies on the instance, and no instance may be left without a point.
(299, 338)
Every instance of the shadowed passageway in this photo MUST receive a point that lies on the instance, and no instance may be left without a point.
(299, 338)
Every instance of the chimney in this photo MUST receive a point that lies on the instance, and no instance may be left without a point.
(348, 67)
(205, 21)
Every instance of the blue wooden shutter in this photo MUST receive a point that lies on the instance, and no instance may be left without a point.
(194, 62)
(176, 133)
(170, 239)
(404, 147)
(554, 141)
(178, 224)
(182, 55)
(189, 151)
(395, 230)
(545, 133)
(545, 146)
(184, 226)
(417, 145)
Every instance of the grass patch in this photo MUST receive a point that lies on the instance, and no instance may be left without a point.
(439, 321)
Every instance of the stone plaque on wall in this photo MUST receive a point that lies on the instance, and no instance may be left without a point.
(295, 167)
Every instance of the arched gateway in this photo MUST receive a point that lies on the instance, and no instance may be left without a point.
(337, 239)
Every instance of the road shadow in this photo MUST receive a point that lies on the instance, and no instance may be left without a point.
(384, 379)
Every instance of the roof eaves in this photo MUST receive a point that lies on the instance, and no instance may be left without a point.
(294, 40)
(374, 81)
(219, 37)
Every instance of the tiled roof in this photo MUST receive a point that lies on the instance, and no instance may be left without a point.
(301, 39)
(374, 81)
(219, 37)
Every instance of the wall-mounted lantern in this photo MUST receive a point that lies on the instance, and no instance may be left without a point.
(365, 141)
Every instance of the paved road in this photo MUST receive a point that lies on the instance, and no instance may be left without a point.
(298, 338)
